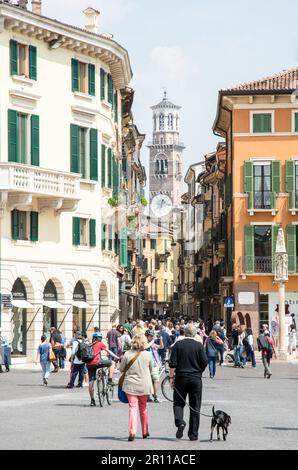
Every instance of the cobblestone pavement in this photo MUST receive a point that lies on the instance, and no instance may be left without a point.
(264, 413)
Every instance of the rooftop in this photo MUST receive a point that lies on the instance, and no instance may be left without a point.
(165, 104)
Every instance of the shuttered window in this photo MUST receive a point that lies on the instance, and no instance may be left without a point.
(123, 248)
(249, 248)
(116, 106)
(291, 186)
(102, 84)
(32, 62)
(75, 74)
(110, 168)
(15, 224)
(103, 236)
(295, 122)
(262, 123)
(91, 79)
(12, 136)
(110, 237)
(110, 89)
(34, 140)
(33, 226)
(92, 232)
(291, 236)
(262, 182)
(93, 155)
(103, 166)
(76, 231)
(13, 57)
(74, 148)
(248, 182)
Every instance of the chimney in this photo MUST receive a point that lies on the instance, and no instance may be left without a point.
(36, 6)
(91, 19)
(23, 4)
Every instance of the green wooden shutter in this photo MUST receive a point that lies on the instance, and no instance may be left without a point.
(76, 231)
(93, 155)
(249, 247)
(116, 106)
(274, 232)
(262, 123)
(290, 182)
(74, 149)
(123, 248)
(75, 74)
(15, 224)
(32, 62)
(110, 165)
(116, 250)
(248, 183)
(296, 122)
(103, 166)
(110, 237)
(34, 226)
(103, 236)
(13, 45)
(102, 84)
(91, 79)
(275, 182)
(115, 175)
(34, 140)
(291, 248)
(267, 125)
(13, 136)
(92, 232)
(110, 89)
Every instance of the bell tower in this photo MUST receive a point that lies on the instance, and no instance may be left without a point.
(166, 152)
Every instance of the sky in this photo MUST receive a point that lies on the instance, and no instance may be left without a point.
(194, 48)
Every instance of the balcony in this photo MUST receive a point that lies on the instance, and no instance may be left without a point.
(53, 189)
(257, 265)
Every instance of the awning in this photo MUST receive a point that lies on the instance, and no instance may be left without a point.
(53, 304)
(21, 304)
(81, 304)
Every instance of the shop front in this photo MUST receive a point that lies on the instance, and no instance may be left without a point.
(80, 307)
(50, 308)
(19, 319)
(291, 310)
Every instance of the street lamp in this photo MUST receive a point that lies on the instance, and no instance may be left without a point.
(281, 277)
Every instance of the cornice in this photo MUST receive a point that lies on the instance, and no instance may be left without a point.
(71, 37)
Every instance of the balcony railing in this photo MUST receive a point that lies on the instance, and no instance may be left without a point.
(257, 265)
(17, 177)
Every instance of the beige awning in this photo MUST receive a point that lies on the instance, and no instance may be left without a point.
(21, 304)
(53, 304)
(81, 304)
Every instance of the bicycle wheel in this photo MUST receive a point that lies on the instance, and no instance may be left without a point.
(110, 394)
(101, 390)
(166, 389)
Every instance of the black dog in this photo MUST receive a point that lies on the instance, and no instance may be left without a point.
(221, 420)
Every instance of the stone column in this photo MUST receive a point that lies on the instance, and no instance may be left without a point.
(282, 352)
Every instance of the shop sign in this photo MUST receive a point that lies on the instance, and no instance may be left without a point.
(6, 300)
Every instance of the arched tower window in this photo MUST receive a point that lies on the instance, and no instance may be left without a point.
(170, 122)
(154, 122)
(177, 122)
(161, 122)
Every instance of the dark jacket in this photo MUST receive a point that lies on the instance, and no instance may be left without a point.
(211, 348)
(188, 357)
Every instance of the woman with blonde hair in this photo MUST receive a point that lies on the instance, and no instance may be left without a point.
(212, 351)
(137, 330)
(136, 382)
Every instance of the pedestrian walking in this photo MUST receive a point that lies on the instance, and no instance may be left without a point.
(62, 353)
(265, 347)
(77, 365)
(113, 337)
(167, 343)
(154, 345)
(56, 343)
(5, 352)
(42, 356)
(125, 341)
(212, 351)
(188, 361)
(242, 350)
(236, 345)
(136, 367)
(248, 343)
(292, 338)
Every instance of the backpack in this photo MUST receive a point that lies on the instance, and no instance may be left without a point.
(245, 343)
(85, 352)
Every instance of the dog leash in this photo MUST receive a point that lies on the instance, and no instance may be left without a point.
(190, 407)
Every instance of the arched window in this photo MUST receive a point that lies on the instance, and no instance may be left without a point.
(161, 122)
(154, 122)
(170, 121)
(164, 166)
(177, 122)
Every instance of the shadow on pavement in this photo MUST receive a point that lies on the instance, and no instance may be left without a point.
(281, 429)
(112, 438)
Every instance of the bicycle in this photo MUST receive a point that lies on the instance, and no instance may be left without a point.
(105, 390)
(166, 388)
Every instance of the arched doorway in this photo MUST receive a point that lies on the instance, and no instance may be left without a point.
(50, 305)
(79, 307)
(248, 321)
(19, 319)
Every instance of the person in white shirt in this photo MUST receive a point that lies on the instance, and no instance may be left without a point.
(4, 352)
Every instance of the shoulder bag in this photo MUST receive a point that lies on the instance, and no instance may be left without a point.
(52, 356)
(121, 394)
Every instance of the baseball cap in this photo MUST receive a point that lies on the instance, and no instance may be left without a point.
(149, 333)
(97, 334)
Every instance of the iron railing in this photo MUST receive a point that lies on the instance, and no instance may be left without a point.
(258, 264)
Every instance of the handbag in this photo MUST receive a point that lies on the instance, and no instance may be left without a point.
(121, 394)
(52, 356)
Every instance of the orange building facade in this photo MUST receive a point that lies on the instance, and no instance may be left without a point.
(259, 121)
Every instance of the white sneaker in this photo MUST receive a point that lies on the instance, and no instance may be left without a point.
(85, 385)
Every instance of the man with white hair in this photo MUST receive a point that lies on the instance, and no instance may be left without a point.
(188, 361)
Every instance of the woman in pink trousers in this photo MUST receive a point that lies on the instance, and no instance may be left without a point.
(137, 383)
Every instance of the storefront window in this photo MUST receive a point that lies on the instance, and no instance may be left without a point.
(18, 320)
(79, 312)
(49, 313)
(264, 309)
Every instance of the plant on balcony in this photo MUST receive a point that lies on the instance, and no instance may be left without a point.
(113, 201)
(131, 218)
(144, 201)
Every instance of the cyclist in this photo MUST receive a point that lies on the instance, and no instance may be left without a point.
(154, 344)
(92, 366)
